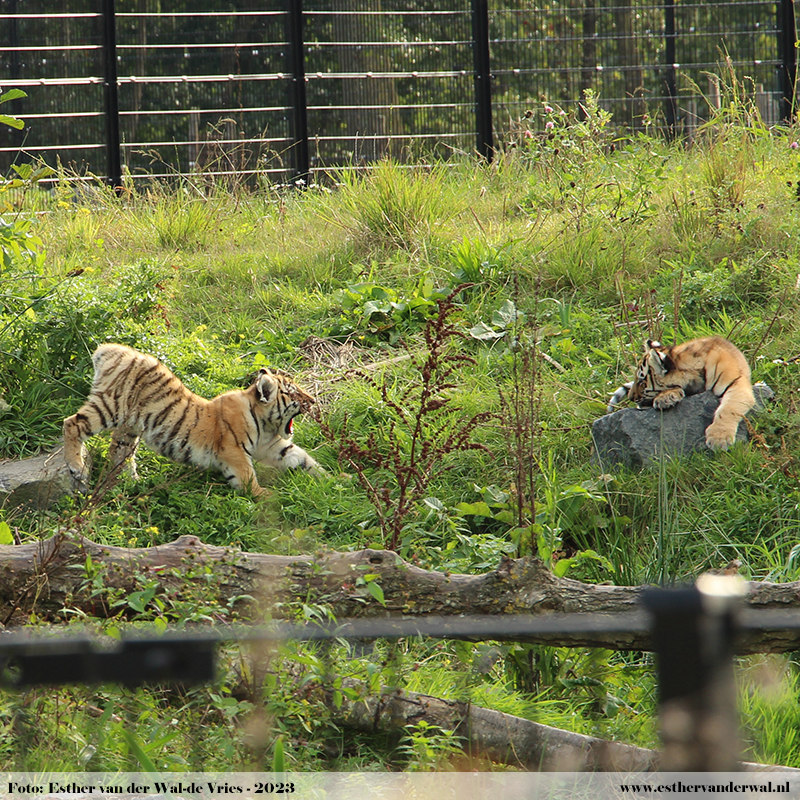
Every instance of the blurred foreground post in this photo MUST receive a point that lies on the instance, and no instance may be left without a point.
(693, 637)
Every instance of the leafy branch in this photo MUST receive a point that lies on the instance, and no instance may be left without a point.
(7, 119)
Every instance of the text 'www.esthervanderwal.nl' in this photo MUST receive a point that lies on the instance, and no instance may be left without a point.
(742, 786)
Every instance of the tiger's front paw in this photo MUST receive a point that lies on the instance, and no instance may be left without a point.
(719, 437)
(296, 458)
(315, 469)
(668, 399)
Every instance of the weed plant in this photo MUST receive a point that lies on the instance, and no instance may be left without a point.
(596, 240)
(402, 452)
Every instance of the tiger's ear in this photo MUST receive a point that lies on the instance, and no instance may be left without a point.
(659, 362)
(265, 385)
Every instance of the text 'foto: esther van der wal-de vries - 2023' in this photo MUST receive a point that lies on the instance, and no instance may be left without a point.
(207, 788)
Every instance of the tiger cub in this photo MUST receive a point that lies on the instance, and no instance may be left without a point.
(136, 396)
(668, 374)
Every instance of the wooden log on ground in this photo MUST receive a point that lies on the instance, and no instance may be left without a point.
(45, 577)
(503, 738)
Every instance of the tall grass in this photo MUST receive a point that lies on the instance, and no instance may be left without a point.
(393, 206)
(770, 713)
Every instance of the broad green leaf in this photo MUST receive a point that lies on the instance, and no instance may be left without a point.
(434, 503)
(375, 590)
(493, 494)
(561, 567)
(507, 315)
(376, 307)
(479, 509)
(12, 122)
(6, 537)
(483, 332)
(12, 94)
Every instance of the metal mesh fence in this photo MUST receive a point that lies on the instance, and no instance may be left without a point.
(634, 59)
(203, 91)
(215, 85)
(384, 78)
(198, 90)
(57, 60)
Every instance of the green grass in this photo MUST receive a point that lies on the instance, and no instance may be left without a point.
(599, 246)
(769, 710)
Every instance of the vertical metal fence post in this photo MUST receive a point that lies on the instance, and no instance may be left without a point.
(483, 78)
(670, 110)
(297, 92)
(693, 633)
(787, 72)
(113, 160)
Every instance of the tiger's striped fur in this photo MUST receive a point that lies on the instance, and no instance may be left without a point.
(668, 374)
(136, 397)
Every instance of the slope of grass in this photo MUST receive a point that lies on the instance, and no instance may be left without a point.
(600, 243)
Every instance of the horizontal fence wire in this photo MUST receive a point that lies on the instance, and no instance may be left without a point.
(213, 89)
(27, 658)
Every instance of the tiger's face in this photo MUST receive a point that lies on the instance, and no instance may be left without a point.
(281, 399)
(649, 374)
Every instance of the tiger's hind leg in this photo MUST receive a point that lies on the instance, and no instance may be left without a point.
(93, 417)
(735, 403)
(124, 441)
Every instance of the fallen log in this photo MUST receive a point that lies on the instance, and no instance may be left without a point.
(48, 576)
(501, 737)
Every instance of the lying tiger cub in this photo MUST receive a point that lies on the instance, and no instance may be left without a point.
(668, 374)
(135, 396)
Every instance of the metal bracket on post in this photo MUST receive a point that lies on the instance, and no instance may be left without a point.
(693, 637)
(483, 78)
(111, 87)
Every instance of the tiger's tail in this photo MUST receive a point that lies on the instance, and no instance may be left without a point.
(618, 397)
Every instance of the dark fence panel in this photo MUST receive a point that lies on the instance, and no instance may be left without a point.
(388, 77)
(197, 90)
(57, 58)
(636, 57)
(204, 91)
(283, 88)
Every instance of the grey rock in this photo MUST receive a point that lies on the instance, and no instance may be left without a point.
(763, 394)
(37, 482)
(640, 437)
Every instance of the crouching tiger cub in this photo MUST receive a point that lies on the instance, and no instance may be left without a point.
(668, 374)
(135, 396)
